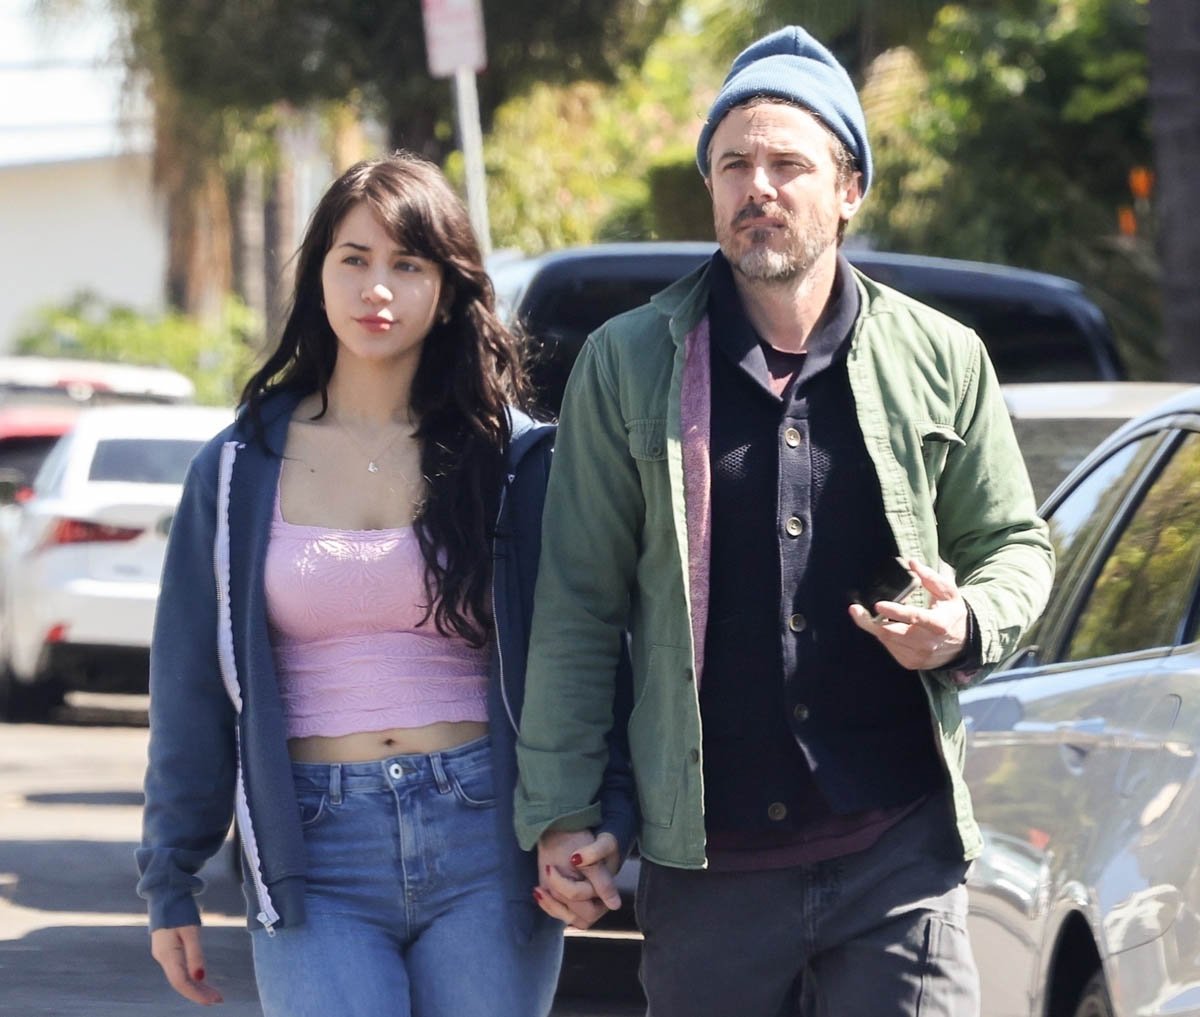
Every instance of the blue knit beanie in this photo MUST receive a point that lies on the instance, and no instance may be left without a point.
(790, 64)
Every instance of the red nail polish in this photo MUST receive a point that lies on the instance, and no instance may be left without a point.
(199, 975)
(576, 858)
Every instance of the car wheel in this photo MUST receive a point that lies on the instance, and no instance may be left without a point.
(1094, 1001)
(21, 702)
(6, 691)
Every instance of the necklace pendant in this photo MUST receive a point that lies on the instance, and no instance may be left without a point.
(372, 467)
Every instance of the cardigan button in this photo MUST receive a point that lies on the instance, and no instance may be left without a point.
(777, 811)
(794, 526)
(797, 623)
(800, 712)
(792, 437)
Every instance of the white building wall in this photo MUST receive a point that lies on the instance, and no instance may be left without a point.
(93, 224)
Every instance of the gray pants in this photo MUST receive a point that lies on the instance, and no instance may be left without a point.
(881, 933)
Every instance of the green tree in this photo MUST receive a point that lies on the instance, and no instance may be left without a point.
(229, 54)
(217, 356)
(1010, 138)
(570, 164)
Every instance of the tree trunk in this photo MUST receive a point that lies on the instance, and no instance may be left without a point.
(188, 174)
(279, 243)
(1174, 50)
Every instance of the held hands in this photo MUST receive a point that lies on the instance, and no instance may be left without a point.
(576, 876)
(920, 638)
(179, 954)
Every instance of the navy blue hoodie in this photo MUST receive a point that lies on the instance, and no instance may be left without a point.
(218, 745)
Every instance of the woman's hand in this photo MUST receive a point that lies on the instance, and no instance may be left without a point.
(179, 954)
(576, 876)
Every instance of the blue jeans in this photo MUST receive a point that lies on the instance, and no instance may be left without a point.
(406, 912)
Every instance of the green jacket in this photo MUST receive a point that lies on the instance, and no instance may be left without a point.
(615, 549)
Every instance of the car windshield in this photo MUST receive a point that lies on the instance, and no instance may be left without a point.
(143, 460)
(1026, 343)
(24, 456)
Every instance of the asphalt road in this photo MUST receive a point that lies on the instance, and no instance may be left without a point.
(72, 932)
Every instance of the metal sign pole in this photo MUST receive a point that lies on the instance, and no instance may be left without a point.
(466, 101)
(454, 42)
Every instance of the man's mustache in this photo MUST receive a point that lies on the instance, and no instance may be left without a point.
(763, 211)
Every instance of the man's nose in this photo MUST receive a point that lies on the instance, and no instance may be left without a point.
(760, 183)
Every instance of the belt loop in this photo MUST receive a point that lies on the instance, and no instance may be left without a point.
(439, 773)
(335, 784)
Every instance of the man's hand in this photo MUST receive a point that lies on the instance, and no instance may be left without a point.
(179, 954)
(920, 639)
(575, 873)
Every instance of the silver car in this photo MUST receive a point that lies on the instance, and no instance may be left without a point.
(1082, 749)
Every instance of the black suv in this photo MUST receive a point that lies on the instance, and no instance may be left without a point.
(1037, 327)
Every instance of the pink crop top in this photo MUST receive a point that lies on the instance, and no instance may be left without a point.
(344, 609)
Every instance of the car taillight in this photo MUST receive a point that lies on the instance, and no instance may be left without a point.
(80, 531)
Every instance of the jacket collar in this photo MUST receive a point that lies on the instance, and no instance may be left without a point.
(684, 302)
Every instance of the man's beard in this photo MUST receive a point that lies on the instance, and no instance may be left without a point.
(806, 242)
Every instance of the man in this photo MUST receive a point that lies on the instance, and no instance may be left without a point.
(737, 463)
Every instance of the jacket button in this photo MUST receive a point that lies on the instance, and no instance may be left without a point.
(689, 675)
(694, 755)
(794, 526)
(792, 437)
(800, 712)
(797, 623)
(777, 811)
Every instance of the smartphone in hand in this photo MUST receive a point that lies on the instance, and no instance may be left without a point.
(894, 581)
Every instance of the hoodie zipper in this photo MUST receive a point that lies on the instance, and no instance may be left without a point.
(500, 642)
(267, 915)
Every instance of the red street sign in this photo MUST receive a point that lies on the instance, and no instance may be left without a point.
(453, 36)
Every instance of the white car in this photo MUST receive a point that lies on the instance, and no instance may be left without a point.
(81, 566)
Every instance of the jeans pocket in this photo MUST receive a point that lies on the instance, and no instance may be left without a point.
(475, 787)
(314, 807)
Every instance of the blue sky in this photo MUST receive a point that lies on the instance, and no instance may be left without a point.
(61, 87)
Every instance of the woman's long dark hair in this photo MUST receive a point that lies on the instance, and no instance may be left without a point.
(471, 369)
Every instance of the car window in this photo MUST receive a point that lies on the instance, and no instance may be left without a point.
(1079, 521)
(49, 478)
(143, 461)
(579, 309)
(1026, 343)
(1143, 589)
(25, 455)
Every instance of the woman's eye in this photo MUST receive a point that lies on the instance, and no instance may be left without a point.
(407, 266)
(353, 259)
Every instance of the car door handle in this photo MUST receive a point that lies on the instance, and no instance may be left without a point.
(1081, 736)
(1092, 726)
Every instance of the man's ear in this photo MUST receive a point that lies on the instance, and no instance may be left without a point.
(852, 197)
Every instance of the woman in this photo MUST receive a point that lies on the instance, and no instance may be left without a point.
(339, 648)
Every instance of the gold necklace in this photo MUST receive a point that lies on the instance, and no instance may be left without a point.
(372, 460)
